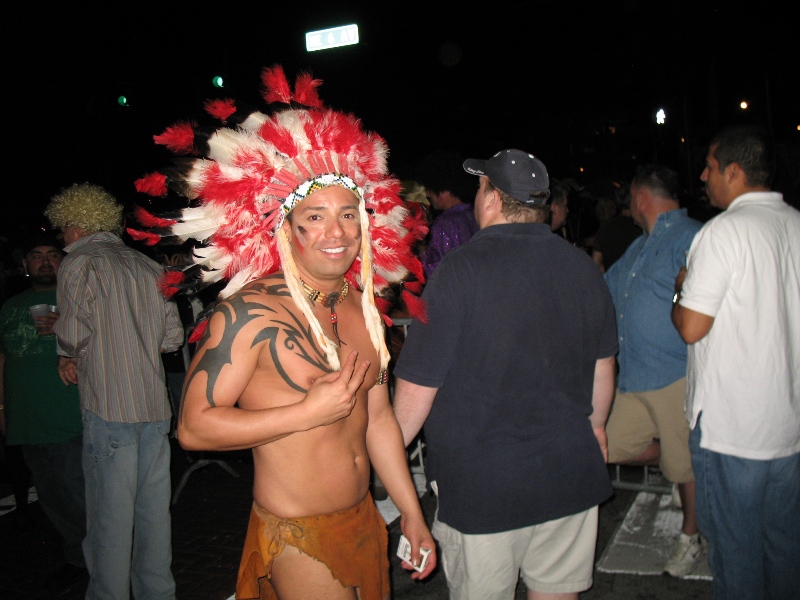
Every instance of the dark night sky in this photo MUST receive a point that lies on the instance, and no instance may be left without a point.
(550, 77)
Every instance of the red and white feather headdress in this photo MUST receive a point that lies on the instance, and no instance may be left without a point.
(252, 169)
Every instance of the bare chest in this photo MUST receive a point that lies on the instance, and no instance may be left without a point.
(292, 358)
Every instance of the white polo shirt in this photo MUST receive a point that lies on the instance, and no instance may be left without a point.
(744, 270)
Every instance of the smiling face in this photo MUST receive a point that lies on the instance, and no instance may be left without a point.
(42, 264)
(324, 232)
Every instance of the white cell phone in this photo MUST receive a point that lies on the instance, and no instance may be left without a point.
(404, 552)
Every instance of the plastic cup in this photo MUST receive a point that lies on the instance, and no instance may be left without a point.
(39, 310)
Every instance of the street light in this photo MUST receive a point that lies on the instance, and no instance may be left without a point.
(661, 119)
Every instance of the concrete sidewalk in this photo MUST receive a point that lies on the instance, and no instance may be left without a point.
(209, 521)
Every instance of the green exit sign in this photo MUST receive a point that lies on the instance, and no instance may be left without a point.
(346, 35)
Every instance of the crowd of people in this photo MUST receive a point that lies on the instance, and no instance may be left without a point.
(536, 356)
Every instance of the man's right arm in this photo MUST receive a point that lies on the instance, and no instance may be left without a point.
(221, 369)
(412, 404)
(692, 326)
(74, 293)
(602, 397)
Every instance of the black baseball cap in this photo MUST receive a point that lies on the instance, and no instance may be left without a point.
(41, 239)
(519, 174)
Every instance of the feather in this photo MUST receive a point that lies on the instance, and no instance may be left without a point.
(415, 287)
(169, 283)
(225, 144)
(179, 138)
(416, 306)
(151, 221)
(152, 184)
(254, 121)
(149, 239)
(383, 305)
(275, 86)
(221, 109)
(197, 331)
(305, 90)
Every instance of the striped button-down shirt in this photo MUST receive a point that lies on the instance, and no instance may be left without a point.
(115, 320)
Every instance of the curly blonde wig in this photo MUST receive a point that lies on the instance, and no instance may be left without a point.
(86, 206)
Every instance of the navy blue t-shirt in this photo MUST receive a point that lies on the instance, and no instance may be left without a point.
(517, 319)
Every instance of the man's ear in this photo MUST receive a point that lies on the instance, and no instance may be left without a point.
(25, 266)
(492, 199)
(287, 229)
(733, 171)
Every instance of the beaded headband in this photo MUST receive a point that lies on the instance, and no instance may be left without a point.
(310, 186)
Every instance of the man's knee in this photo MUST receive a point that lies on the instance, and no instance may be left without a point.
(634, 452)
(630, 432)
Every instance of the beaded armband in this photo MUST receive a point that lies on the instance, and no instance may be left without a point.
(383, 377)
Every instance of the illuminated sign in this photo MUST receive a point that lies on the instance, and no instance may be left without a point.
(346, 35)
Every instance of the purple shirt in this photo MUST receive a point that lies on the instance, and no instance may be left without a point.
(453, 227)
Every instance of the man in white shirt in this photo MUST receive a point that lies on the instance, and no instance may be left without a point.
(737, 305)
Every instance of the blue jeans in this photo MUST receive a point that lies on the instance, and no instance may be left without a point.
(128, 545)
(57, 473)
(749, 510)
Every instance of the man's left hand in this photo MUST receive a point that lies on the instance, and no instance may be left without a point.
(418, 534)
(68, 369)
(602, 440)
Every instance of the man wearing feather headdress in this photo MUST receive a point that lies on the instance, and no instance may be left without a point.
(297, 213)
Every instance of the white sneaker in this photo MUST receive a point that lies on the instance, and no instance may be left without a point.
(687, 553)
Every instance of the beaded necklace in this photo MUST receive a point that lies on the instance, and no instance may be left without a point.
(331, 299)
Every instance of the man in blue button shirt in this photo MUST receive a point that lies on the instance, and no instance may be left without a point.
(647, 424)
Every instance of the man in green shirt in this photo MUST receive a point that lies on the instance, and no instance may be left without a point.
(42, 415)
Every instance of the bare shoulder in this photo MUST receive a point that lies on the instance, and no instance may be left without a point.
(249, 341)
(255, 300)
(235, 323)
(266, 291)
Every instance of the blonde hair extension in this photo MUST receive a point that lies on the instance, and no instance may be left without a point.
(290, 275)
(372, 317)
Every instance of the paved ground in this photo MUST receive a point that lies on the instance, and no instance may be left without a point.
(209, 522)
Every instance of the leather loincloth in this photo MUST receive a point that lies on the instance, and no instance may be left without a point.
(352, 543)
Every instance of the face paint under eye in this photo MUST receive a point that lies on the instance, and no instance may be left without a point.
(300, 239)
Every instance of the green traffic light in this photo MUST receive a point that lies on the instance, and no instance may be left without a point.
(217, 81)
(123, 101)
